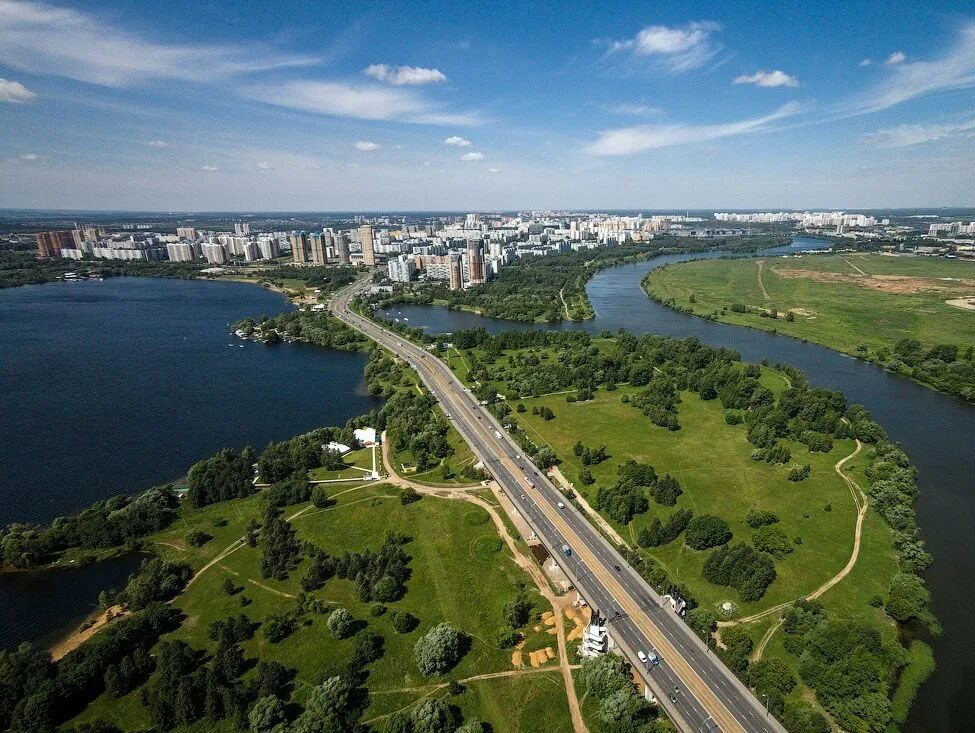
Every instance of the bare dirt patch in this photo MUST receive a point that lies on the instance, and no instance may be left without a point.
(896, 284)
(967, 304)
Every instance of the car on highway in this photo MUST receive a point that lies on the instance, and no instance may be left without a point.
(616, 568)
(654, 659)
(673, 697)
(642, 656)
(561, 505)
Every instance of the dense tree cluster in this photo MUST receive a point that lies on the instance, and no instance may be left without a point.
(948, 367)
(157, 580)
(706, 531)
(112, 522)
(280, 549)
(300, 454)
(621, 501)
(656, 534)
(379, 576)
(740, 566)
(313, 327)
(23, 268)
(772, 540)
(36, 695)
(227, 475)
(609, 680)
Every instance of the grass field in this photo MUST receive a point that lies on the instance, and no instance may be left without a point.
(460, 572)
(841, 301)
(711, 460)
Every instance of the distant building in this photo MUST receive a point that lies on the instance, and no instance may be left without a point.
(299, 248)
(316, 246)
(269, 248)
(186, 233)
(368, 250)
(251, 252)
(342, 247)
(181, 252)
(242, 228)
(215, 254)
(50, 244)
(475, 261)
(401, 269)
(456, 273)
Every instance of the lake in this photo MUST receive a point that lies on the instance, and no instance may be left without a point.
(934, 429)
(111, 387)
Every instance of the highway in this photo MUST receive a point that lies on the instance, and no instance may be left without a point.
(696, 689)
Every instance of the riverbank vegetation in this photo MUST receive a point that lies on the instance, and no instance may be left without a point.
(553, 288)
(907, 314)
(725, 480)
(23, 268)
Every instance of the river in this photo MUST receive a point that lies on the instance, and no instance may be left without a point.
(114, 386)
(934, 429)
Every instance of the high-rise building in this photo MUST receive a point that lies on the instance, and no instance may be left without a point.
(456, 273)
(368, 252)
(50, 244)
(242, 228)
(215, 254)
(269, 248)
(401, 269)
(475, 261)
(316, 243)
(186, 233)
(181, 252)
(251, 252)
(342, 247)
(299, 248)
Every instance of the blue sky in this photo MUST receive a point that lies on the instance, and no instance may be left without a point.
(239, 104)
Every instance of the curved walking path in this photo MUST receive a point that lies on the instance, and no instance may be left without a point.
(524, 562)
(862, 504)
(761, 283)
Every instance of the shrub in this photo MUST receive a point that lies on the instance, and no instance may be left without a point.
(439, 649)
(408, 495)
(759, 518)
(772, 540)
(341, 623)
(800, 473)
(706, 531)
(403, 621)
(196, 538)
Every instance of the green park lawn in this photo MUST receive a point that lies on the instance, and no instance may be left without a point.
(711, 460)
(841, 315)
(460, 572)
(358, 459)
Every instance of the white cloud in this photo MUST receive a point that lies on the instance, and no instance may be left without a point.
(15, 92)
(494, 170)
(458, 141)
(264, 166)
(47, 39)
(30, 156)
(768, 79)
(633, 108)
(472, 156)
(209, 168)
(676, 48)
(157, 143)
(638, 139)
(400, 75)
(365, 145)
(866, 62)
(904, 135)
(898, 57)
(367, 102)
(910, 79)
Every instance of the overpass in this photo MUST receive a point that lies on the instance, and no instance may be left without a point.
(698, 692)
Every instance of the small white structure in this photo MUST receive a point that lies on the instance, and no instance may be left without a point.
(595, 637)
(337, 447)
(365, 436)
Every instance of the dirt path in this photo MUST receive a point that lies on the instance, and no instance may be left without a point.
(853, 266)
(78, 638)
(860, 500)
(523, 561)
(565, 306)
(760, 649)
(761, 283)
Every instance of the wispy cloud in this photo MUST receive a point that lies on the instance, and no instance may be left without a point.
(866, 62)
(404, 75)
(472, 156)
(674, 48)
(494, 170)
(910, 79)
(903, 136)
(264, 166)
(638, 139)
(632, 108)
(157, 143)
(47, 39)
(368, 102)
(15, 93)
(457, 141)
(366, 145)
(898, 57)
(30, 156)
(768, 79)
(209, 168)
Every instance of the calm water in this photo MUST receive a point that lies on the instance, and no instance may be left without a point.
(934, 429)
(110, 387)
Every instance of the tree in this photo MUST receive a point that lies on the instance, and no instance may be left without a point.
(759, 518)
(666, 491)
(439, 649)
(433, 715)
(585, 477)
(517, 611)
(472, 725)
(197, 538)
(771, 676)
(398, 722)
(604, 675)
(157, 580)
(907, 598)
(319, 496)
(280, 549)
(403, 621)
(341, 623)
(267, 714)
(706, 531)
(332, 707)
(772, 540)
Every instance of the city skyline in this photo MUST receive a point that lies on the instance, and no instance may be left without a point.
(238, 106)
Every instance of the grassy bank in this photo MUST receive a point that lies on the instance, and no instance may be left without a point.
(893, 310)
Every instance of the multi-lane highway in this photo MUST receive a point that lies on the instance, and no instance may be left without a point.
(696, 689)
